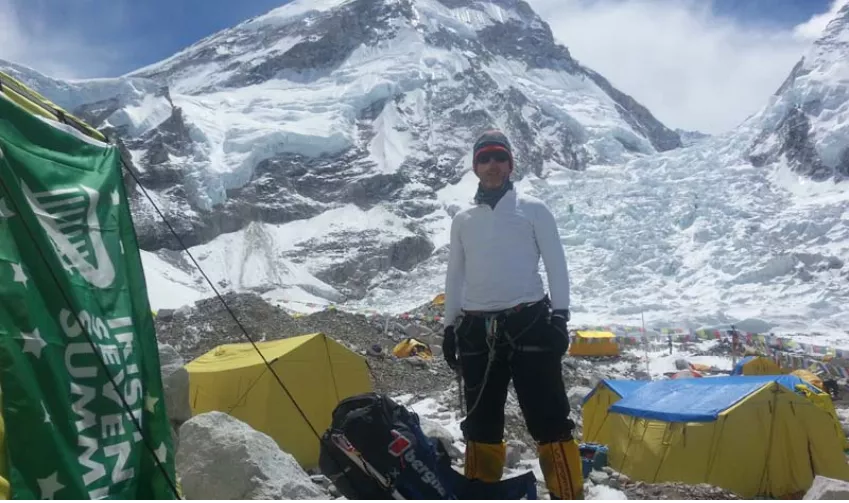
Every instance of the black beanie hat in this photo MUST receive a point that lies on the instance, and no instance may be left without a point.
(492, 138)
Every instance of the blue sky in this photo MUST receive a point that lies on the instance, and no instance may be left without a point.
(786, 13)
(122, 35)
(697, 64)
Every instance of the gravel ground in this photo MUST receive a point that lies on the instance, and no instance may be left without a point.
(194, 330)
(661, 491)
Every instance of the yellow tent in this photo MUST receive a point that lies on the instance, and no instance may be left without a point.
(412, 347)
(823, 400)
(809, 376)
(700, 367)
(752, 435)
(596, 404)
(439, 300)
(317, 371)
(756, 366)
(591, 343)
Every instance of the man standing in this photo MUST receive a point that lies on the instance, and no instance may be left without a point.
(500, 324)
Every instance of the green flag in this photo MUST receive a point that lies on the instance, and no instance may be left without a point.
(70, 270)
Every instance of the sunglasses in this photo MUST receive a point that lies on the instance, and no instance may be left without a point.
(498, 156)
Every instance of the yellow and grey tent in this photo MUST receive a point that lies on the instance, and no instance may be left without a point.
(597, 403)
(317, 371)
(752, 435)
(756, 366)
(591, 343)
(412, 347)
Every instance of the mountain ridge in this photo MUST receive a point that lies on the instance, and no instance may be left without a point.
(339, 185)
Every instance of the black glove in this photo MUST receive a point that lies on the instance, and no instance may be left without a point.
(558, 321)
(449, 347)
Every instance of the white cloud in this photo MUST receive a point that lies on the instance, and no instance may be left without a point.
(690, 68)
(813, 28)
(65, 51)
(693, 70)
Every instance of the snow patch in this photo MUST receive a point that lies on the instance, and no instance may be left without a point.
(601, 492)
(391, 144)
(298, 8)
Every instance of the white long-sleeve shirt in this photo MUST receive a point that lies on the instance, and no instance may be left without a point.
(493, 261)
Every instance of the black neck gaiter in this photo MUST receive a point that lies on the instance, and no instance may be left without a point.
(492, 196)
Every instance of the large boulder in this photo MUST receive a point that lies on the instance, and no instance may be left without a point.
(825, 488)
(420, 332)
(641, 375)
(576, 396)
(221, 457)
(175, 385)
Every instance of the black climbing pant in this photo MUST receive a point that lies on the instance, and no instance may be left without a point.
(528, 350)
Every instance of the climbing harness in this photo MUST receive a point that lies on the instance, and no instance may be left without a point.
(493, 322)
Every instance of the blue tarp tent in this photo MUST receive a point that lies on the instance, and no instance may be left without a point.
(693, 400)
(752, 435)
(621, 387)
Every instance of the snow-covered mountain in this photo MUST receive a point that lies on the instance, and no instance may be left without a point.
(358, 113)
(805, 124)
(317, 106)
(317, 153)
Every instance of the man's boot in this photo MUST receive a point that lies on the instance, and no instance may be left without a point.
(485, 461)
(562, 468)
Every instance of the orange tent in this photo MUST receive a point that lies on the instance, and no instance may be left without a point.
(685, 374)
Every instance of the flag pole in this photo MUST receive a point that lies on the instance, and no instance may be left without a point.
(645, 344)
(734, 341)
